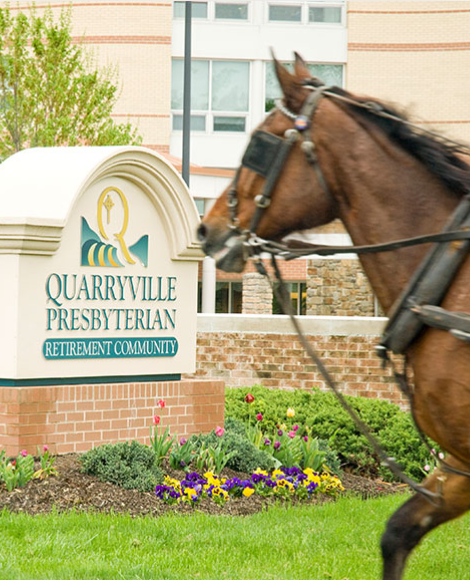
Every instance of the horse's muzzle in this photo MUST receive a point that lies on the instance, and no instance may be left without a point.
(227, 248)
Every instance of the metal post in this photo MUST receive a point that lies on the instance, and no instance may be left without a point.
(187, 92)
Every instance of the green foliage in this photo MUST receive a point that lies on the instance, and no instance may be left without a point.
(242, 454)
(51, 93)
(219, 456)
(289, 453)
(47, 464)
(17, 472)
(313, 455)
(129, 465)
(182, 455)
(161, 442)
(322, 415)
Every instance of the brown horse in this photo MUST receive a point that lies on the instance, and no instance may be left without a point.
(385, 180)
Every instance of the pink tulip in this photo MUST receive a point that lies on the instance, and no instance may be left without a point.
(219, 431)
(259, 417)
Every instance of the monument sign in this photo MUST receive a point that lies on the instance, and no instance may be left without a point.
(98, 299)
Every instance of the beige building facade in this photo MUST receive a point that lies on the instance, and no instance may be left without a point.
(414, 54)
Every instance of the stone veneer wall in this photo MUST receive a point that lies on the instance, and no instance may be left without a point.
(75, 418)
(338, 288)
(275, 358)
(257, 294)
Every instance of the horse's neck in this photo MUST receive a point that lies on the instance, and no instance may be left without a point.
(386, 195)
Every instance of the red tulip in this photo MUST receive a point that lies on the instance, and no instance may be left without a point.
(249, 398)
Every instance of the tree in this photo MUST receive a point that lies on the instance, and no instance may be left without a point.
(51, 94)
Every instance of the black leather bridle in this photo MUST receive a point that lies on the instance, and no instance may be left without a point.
(266, 155)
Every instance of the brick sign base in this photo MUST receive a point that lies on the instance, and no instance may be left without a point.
(75, 418)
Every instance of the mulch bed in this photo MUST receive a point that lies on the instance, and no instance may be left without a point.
(73, 490)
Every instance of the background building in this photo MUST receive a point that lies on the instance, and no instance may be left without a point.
(412, 53)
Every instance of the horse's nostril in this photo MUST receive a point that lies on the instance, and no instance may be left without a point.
(201, 232)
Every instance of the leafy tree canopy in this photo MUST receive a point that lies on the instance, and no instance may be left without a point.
(51, 94)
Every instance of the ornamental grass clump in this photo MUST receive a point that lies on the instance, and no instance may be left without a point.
(282, 483)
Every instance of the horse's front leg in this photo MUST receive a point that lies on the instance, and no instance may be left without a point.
(418, 516)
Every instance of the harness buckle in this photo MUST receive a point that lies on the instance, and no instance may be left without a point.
(232, 200)
(262, 201)
(291, 134)
(254, 241)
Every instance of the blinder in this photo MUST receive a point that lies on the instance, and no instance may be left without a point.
(261, 152)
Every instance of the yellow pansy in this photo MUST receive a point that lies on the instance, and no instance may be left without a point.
(190, 492)
(248, 491)
(174, 483)
(260, 471)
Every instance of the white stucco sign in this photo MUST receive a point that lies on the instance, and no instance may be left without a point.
(98, 264)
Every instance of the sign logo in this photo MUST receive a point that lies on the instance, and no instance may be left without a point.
(113, 219)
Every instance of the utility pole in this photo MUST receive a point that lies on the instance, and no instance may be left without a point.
(187, 92)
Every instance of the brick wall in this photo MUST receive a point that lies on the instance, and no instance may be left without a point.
(277, 360)
(75, 418)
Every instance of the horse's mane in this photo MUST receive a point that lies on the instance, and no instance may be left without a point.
(438, 154)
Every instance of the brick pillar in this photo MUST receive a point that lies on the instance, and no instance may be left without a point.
(257, 294)
(338, 288)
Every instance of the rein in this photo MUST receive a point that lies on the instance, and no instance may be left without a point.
(266, 155)
(283, 297)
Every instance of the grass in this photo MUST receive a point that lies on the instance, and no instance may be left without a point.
(337, 541)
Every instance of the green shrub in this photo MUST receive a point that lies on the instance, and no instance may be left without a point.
(129, 465)
(246, 456)
(234, 425)
(323, 415)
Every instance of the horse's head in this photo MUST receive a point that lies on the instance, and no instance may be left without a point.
(276, 189)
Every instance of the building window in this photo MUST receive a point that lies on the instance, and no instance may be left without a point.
(330, 74)
(228, 297)
(198, 9)
(298, 296)
(325, 14)
(219, 95)
(285, 13)
(203, 204)
(231, 11)
(197, 123)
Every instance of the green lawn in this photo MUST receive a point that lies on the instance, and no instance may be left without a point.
(337, 541)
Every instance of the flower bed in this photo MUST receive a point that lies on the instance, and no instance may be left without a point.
(284, 482)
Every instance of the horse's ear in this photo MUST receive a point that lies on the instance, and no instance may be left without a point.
(289, 84)
(300, 67)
